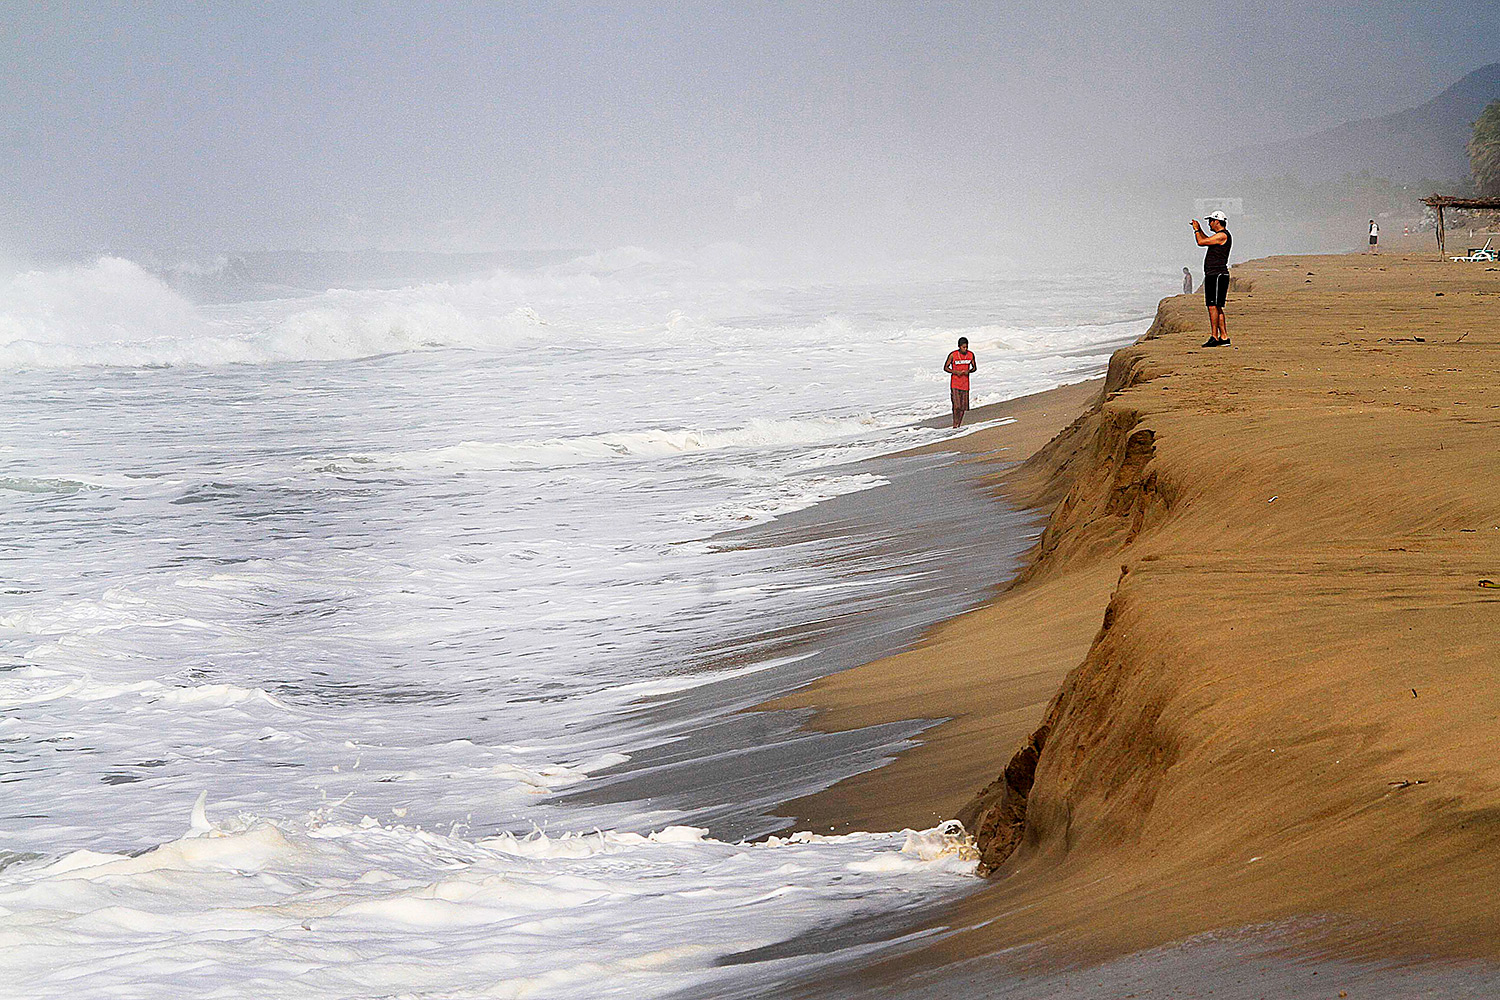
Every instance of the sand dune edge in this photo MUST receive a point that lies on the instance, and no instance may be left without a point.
(1287, 704)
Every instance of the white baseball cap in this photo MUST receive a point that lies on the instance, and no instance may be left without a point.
(1218, 215)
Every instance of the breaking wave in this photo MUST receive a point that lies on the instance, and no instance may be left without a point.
(115, 312)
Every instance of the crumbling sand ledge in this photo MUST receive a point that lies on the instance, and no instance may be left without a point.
(1274, 677)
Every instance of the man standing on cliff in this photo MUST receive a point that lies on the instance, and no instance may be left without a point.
(1215, 274)
(960, 365)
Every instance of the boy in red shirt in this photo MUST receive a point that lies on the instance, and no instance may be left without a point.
(960, 365)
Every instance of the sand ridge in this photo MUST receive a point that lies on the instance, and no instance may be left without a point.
(1257, 621)
(936, 680)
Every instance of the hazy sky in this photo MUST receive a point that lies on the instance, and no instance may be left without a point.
(488, 125)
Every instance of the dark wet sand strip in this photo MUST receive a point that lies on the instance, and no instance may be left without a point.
(890, 576)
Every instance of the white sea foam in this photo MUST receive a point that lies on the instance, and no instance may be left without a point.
(315, 909)
(655, 442)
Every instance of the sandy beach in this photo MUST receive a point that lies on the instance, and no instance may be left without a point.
(1255, 646)
(483, 514)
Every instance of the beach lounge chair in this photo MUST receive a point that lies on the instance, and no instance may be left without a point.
(1484, 253)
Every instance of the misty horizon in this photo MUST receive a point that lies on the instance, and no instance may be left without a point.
(982, 128)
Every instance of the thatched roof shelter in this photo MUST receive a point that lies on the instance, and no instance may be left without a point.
(1438, 202)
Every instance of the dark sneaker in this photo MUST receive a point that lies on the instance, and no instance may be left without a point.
(1212, 342)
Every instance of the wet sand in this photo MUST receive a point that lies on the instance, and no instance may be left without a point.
(713, 764)
(1257, 632)
(935, 680)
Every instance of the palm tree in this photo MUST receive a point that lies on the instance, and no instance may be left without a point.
(1484, 151)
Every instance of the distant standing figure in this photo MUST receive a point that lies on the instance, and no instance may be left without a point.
(1187, 282)
(1215, 274)
(960, 365)
(1374, 235)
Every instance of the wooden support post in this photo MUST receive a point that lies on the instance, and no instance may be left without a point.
(1440, 201)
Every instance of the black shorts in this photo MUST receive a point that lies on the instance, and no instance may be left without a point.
(1215, 288)
(1373, 239)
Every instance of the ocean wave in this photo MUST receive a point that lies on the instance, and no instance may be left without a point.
(1099, 337)
(34, 685)
(41, 484)
(73, 314)
(653, 442)
(115, 312)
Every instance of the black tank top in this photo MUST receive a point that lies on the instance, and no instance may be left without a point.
(1216, 260)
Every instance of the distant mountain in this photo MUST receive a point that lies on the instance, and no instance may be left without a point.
(1427, 141)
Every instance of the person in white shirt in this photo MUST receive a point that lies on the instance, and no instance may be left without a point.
(1374, 236)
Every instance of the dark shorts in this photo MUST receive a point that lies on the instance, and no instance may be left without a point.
(1215, 289)
(960, 398)
(1373, 239)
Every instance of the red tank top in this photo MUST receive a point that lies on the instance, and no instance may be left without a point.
(962, 362)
